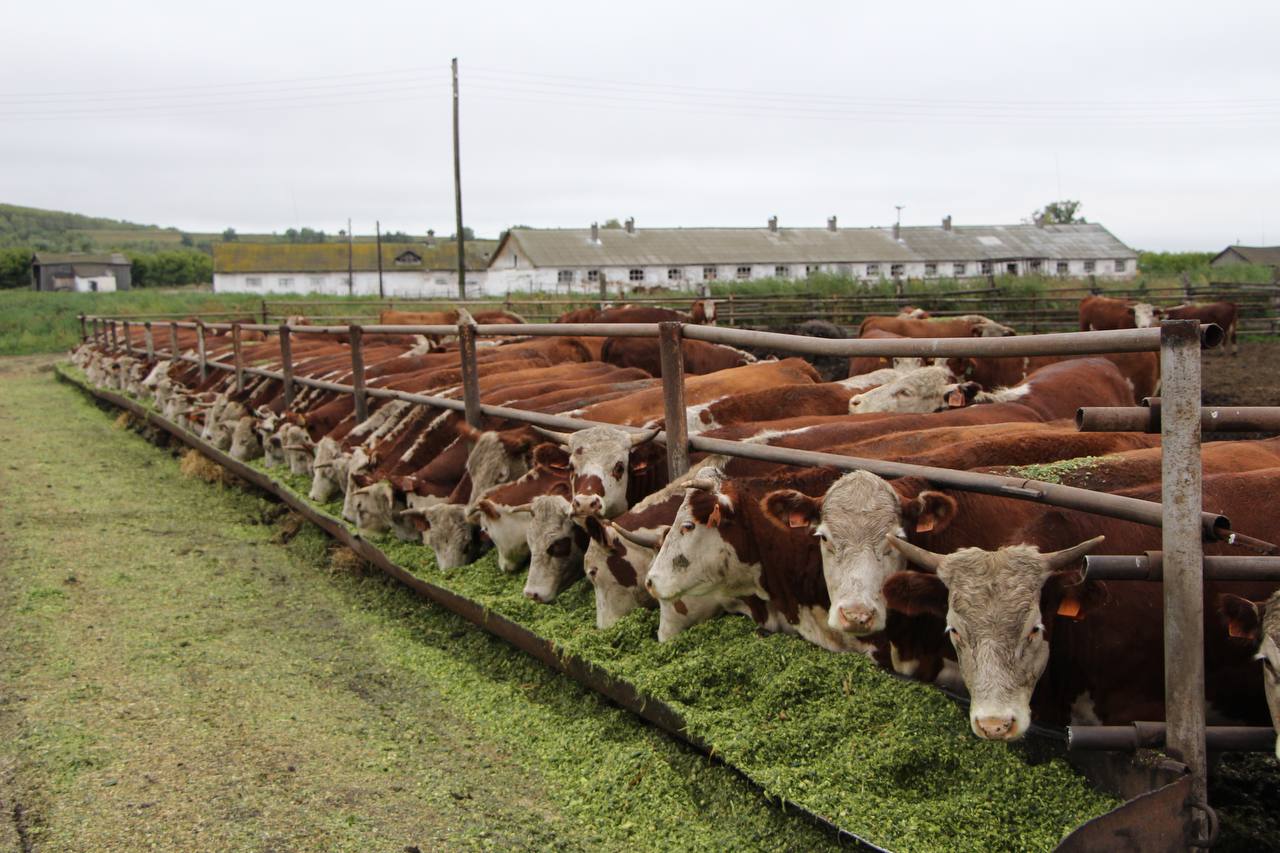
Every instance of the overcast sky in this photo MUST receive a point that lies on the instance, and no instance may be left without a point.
(1163, 118)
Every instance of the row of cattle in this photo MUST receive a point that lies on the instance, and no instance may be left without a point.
(969, 590)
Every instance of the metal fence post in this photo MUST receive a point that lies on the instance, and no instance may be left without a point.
(97, 341)
(1180, 471)
(264, 312)
(200, 351)
(470, 376)
(672, 358)
(128, 338)
(111, 327)
(286, 359)
(173, 340)
(84, 335)
(355, 334)
(239, 357)
(150, 341)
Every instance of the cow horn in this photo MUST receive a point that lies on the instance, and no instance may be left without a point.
(1061, 559)
(521, 508)
(926, 560)
(412, 511)
(639, 438)
(296, 447)
(706, 484)
(560, 437)
(645, 540)
(318, 465)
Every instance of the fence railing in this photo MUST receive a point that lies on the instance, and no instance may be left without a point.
(1181, 566)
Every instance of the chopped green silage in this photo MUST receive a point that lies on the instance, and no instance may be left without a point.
(890, 760)
(1052, 472)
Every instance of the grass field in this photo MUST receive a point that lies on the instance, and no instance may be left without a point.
(174, 678)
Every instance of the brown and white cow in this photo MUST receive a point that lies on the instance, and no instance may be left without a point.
(556, 548)
(1257, 623)
(1100, 313)
(966, 326)
(1225, 314)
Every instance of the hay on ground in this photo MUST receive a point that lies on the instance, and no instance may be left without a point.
(200, 467)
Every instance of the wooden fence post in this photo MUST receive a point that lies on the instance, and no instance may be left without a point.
(94, 326)
(150, 341)
(264, 312)
(84, 335)
(238, 354)
(470, 375)
(1186, 288)
(671, 354)
(286, 368)
(111, 326)
(1183, 553)
(355, 335)
(200, 351)
(173, 340)
(128, 338)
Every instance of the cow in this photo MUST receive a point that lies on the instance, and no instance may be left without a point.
(556, 548)
(601, 465)
(966, 326)
(1224, 314)
(1140, 369)
(722, 544)
(699, 357)
(1257, 624)
(1099, 313)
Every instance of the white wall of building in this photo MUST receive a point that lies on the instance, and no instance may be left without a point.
(395, 283)
(105, 283)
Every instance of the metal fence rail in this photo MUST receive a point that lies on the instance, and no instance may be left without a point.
(1185, 526)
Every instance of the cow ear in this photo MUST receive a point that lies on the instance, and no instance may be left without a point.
(932, 511)
(516, 441)
(1244, 618)
(962, 367)
(1076, 599)
(789, 508)
(595, 529)
(467, 432)
(486, 507)
(551, 456)
(916, 593)
(561, 488)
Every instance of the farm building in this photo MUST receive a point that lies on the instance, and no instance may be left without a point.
(101, 272)
(407, 269)
(578, 258)
(1266, 256)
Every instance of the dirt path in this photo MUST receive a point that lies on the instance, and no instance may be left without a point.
(172, 678)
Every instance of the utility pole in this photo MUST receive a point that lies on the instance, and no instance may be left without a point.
(898, 207)
(377, 226)
(457, 190)
(351, 280)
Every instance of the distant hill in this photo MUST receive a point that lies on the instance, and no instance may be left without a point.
(56, 230)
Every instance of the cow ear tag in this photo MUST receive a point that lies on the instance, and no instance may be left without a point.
(1070, 608)
(924, 524)
(797, 519)
(956, 399)
(639, 466)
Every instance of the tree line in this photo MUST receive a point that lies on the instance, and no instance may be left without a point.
(168, 268)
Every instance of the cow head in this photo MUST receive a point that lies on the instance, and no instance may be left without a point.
(496, 457)
(992, 601)
(372, 506)
(556, 546)
(245, 444)
(920, 391)
(987, 328)
(599, 460)
(617, 567)
(696, 558)
(1145, 315)
(158, 372)
(297, 448)
(1258, 624)
(271, 433)
(329, 470)
(446, 531)
(357, 465)
(507, 527)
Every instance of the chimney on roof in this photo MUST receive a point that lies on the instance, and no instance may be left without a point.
(631, 225)
(595, 232)
(431, 236)
(831, 223)
(897, 230)
(946, 222)
(773, 224)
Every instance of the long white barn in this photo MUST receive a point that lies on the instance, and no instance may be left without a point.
(530, 259)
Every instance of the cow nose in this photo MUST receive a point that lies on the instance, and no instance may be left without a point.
(996, 728)
(532, 595)
(587, 505)
(857, 618)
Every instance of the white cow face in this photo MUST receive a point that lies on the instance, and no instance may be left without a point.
(617, 569)
(696, 558)
(851, 522)
(919, 391)
(328, 471)
(992, 604)
(449, 535)
(373, 506)
(1145, 315)
(245, 444)
(600, 465)
(297, 448)
(507, 527)
(556, 547)
(495, 459)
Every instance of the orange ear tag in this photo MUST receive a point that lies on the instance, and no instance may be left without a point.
(1070, 608)
(797, 519)
(956, 399)
(924, 524)
(639, 466)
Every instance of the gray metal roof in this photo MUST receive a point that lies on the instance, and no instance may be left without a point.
(1264, 255)
(573, 247)
(109, 258)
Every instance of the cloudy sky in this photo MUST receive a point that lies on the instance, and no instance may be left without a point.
(1162, 117)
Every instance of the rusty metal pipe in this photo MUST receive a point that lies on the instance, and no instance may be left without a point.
(1152, 735)
(1146, 418)
(1150, 567)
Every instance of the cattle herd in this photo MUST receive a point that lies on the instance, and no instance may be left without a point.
(980, 593)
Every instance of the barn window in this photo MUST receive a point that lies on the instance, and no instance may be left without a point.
(1121, 265)
(675, 274)
(710, 273)
(782, 271)
(635, 275)
(896, 270)
(1036, 265)
(284, 282)
(873, 269)
(845, 270)
(1011, 268)
(930, 269)
(593, 276)
(1090, 266)
(959, 269)
(811, 269)
(253, 281)
(564, 277)
(986, 267)
(317, 282)
(1062, 268)
(744, 272)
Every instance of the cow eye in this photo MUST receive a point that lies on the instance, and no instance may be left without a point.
(953, 634)
(822, 536)
(619, 470)
(687, 527)
(1036, 631)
